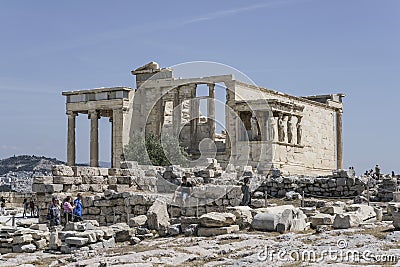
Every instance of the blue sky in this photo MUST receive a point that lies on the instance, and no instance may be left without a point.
(298, 47)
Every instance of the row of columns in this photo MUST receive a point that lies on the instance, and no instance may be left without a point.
(116, 139)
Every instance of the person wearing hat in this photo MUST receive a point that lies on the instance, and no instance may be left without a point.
(78, 208)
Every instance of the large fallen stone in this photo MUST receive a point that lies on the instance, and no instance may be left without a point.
(243, 215)
(280, 218)
(54, 242)
(346, 220)
(138, 221)
(364, 212)
(321, 219)
(191, 229)
(332, 210)
(158, 218)
(265, 221)
(22, 239)
(24, 248)
(40, 227)
(213, 231)
(77, 241)
(40, 244)
(174, 229)
(217, 219)
(122, 232)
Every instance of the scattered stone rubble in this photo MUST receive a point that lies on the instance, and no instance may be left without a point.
(116, 210)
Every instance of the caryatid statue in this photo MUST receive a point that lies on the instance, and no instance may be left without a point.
(254, 128)
(271, 128)
(290, 129)
(281, 128)
(299, 130)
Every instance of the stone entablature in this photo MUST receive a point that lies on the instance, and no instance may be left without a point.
(112, 103)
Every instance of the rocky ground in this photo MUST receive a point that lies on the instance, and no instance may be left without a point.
(336, 233)
(350, 247)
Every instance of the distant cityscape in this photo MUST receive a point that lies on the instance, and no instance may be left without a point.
(20, 181)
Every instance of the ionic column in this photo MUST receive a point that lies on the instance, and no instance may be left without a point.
(211, 110)
(194, 117)
(71, 138)
(112, 140)
(231, 122)
(117, 128)
(94, 138)
(339, 140)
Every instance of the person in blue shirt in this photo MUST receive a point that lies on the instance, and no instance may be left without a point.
(78, 208)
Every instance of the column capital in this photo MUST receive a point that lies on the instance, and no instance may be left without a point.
(71, 113)
(93, 113)
(211, 85)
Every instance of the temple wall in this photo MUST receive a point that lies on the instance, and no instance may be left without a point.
(317, 153)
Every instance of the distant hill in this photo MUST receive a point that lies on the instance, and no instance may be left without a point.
(27, 163)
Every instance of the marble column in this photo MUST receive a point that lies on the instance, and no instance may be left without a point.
(194, 117)
(339, 140)
(71, 153)
(112, 140)
(117, 128)
(177, 113)
(232, 121)
(94, 138)
(211, 110)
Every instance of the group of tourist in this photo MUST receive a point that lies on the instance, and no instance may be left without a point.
(72, 210)
(29, 205)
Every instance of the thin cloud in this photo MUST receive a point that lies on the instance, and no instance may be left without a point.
(235, 11)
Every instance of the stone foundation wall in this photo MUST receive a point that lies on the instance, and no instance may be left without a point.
(115, 195)
(321, 186)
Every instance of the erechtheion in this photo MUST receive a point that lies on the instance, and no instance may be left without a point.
(298, 135)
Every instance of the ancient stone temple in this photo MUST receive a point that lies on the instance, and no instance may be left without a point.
(262, 128)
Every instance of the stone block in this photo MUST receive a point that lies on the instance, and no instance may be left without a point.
(22, 239)
(40, 227)
(112, 180)
(208, 231)
(321, 219)
(332, 210)
(158, 217)
(122, 232)
(40, 244)
(265, 221)
(77, 241)
(47, 188)
(27, 248)
(43, 180)
(346, 220)
(216, 219)
(114, 172)
(215, 191)
(136, 221)
(54, 242)
(109, 243)
(364, 212)
(62, 170)
(103, 171)
(191, 229)
(174, 229)
(67, 180)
